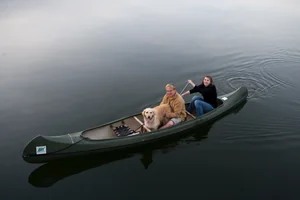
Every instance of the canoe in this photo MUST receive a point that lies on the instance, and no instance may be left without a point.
(122, 134)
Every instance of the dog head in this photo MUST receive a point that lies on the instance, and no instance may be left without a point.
(148, 114)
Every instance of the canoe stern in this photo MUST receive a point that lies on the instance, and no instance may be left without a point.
(42, 146)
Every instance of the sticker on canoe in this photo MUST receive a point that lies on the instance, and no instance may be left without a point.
(224, 98)
(41, 150)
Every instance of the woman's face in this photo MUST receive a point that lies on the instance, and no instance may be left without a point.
(206, 81)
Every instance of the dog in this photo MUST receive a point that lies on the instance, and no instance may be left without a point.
(154, 117)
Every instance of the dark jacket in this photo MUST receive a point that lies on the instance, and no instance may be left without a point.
(209, 93)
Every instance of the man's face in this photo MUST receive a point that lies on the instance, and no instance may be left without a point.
(170, 91)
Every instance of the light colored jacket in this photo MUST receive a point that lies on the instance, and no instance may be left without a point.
(177, 105)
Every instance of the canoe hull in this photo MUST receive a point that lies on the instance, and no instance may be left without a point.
(43, 149)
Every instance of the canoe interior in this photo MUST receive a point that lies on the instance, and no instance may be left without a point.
(107, 131)
(133, 122)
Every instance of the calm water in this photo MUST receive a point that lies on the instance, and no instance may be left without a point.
(69, 65)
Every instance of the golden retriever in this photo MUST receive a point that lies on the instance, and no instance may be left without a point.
(154, 117)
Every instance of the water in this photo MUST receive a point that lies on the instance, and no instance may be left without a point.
(69, 65)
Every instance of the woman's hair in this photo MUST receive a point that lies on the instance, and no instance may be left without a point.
(210, 78)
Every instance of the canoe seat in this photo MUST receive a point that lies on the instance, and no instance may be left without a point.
(189, 114)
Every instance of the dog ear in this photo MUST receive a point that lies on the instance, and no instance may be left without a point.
(143, 113)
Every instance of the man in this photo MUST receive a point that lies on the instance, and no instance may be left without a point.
(177, 105)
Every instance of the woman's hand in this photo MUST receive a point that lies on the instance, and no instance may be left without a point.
(191, 82)
(185, 93)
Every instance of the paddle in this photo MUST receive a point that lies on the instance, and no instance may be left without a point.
(184, 88)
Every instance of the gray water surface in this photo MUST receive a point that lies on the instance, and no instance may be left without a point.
(69, 65)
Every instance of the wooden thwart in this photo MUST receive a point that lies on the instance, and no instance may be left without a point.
(190, 115)
(141, 124)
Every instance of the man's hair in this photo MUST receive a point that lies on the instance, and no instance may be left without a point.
(171, 86)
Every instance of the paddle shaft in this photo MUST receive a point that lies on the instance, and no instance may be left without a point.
(184, 88)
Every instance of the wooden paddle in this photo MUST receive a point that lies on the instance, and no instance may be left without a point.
(184, 88)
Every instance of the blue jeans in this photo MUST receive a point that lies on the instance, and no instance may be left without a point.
(200, 105)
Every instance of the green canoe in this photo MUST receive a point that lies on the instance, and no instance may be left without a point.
(106, 138)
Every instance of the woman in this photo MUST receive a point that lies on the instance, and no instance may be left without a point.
(209, 93)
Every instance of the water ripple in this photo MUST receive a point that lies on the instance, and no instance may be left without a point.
(259, 73)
